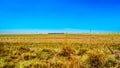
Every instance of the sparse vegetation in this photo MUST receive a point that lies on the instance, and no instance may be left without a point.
(60, 51)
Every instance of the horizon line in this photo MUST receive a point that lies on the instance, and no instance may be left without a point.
(46, 31)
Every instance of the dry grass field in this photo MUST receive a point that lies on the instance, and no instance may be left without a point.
(60, 51)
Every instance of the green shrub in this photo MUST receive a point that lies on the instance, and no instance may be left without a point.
(118, 48)
(32, 64)
(7, 59)
(56, 64)
(8, 65)
(23, 49)
(28, 56)
(45, 54)
(81, 51)
(111, 61)
(4, 52)
(98, 59)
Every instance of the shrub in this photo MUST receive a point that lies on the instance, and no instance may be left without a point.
(33, 64)
(111, 61)
(7, 59)
(28, 56)
(23, 49)
(8, 65)
(45, 54)
(4, 52)
(81, 51)
(56, 64)
(66, 52)
(98, 59)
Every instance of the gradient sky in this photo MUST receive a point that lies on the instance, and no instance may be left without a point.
(101, 15)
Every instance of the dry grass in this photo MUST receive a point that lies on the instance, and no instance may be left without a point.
(60, 51)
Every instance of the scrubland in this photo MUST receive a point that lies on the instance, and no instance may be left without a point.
(60, 51)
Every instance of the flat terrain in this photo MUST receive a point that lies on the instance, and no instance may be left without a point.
(60, 51)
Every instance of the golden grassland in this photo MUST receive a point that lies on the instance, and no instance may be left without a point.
(60, 51)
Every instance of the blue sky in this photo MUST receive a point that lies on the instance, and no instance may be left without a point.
(76, 15)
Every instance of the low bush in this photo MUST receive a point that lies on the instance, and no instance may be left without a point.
(81, 51)
(8, 65)
(98, 59)
(66, 51)
(28, 56)
(33, 64)
(45, 54)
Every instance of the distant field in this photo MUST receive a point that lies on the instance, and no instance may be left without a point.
(60, 51)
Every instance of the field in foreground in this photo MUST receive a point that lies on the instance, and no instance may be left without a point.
(60, 51)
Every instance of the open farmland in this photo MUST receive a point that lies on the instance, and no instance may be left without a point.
(60, 51)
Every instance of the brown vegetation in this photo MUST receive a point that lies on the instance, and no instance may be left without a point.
(60, 51)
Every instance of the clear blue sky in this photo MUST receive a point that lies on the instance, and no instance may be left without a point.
(60, 14)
